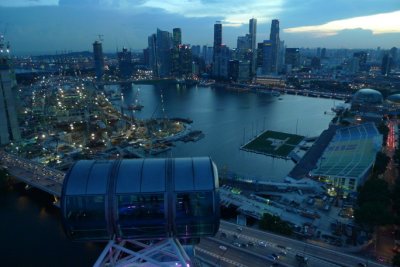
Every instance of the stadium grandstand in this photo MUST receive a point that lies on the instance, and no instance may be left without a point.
(347, 160)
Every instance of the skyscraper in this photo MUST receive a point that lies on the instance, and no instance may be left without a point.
(98, 59)
(177, 36)
(153, 54)
(292, 57)
(164, 45)
(217, 49)
(275, 43)
(267, 53)
(253, 37)
(386, 64)
(217, 37)
(9, 130)
(125, 63)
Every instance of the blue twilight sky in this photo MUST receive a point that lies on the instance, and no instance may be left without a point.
(47, 26)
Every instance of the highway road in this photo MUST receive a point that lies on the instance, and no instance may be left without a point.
(264, 245)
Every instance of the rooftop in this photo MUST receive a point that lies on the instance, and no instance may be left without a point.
(350, 153)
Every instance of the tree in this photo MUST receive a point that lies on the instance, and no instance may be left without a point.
(374, 190)
(384, 131)
(374, 203)
(381, 163)
(275, 224)
(373, 214)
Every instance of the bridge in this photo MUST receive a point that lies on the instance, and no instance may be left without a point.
(33, 173)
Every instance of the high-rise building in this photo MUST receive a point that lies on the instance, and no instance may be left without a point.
(177, 36)
(196, 50)
(267, 54)
(152, 47)
(243, 42)
(217, 49)
(292, 57)
(386, 64)
(163, 52)
(9, 129)
(233, 70)
(225, 56)
(362, 60)
(253, 39)
(393, 54)
(275, 44)
(125, 63)
(217, 37)
(185, 60)
(98, 59)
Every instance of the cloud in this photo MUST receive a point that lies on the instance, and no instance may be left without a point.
(231, 12)
(378, 24)
(27, 3)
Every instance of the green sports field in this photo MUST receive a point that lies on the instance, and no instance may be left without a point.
(274, 143)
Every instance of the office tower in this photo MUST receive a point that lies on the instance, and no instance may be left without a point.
(185, 60)
(163, 53)
(217, 49)
(9, 129)
(281, 56)
(196, 50)
(260, 60)
(253, 37)
(243, 42)
(152, 50)
(217, 37)
(233, 70)
(362, 59)
(267, 54)
(386, 64)
(316, 63)
(225, 55)
(177, 36)
(393, 53)
(98, 59)
(125, 63)
(275, 44)
(146, 60)
(292, 57)
(323, 53)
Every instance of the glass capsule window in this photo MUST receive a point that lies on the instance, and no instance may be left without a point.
(194, 214)
(86, 217)
(141, 215)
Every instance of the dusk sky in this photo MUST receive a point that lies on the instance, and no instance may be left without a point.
(47, 26)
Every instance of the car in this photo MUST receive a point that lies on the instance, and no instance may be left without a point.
(250, 244)
(283, 253)
(239, 228)
(237, 244)
(223, 234)
(223, 248)
(270, 257)
(235, 236)
(262, 243)
(301, 258)
(275, 256)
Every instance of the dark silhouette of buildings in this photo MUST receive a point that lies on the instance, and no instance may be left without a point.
(125, 63)
(9, 129)
(98, 59)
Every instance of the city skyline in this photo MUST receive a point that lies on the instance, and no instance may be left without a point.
(50, 25)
